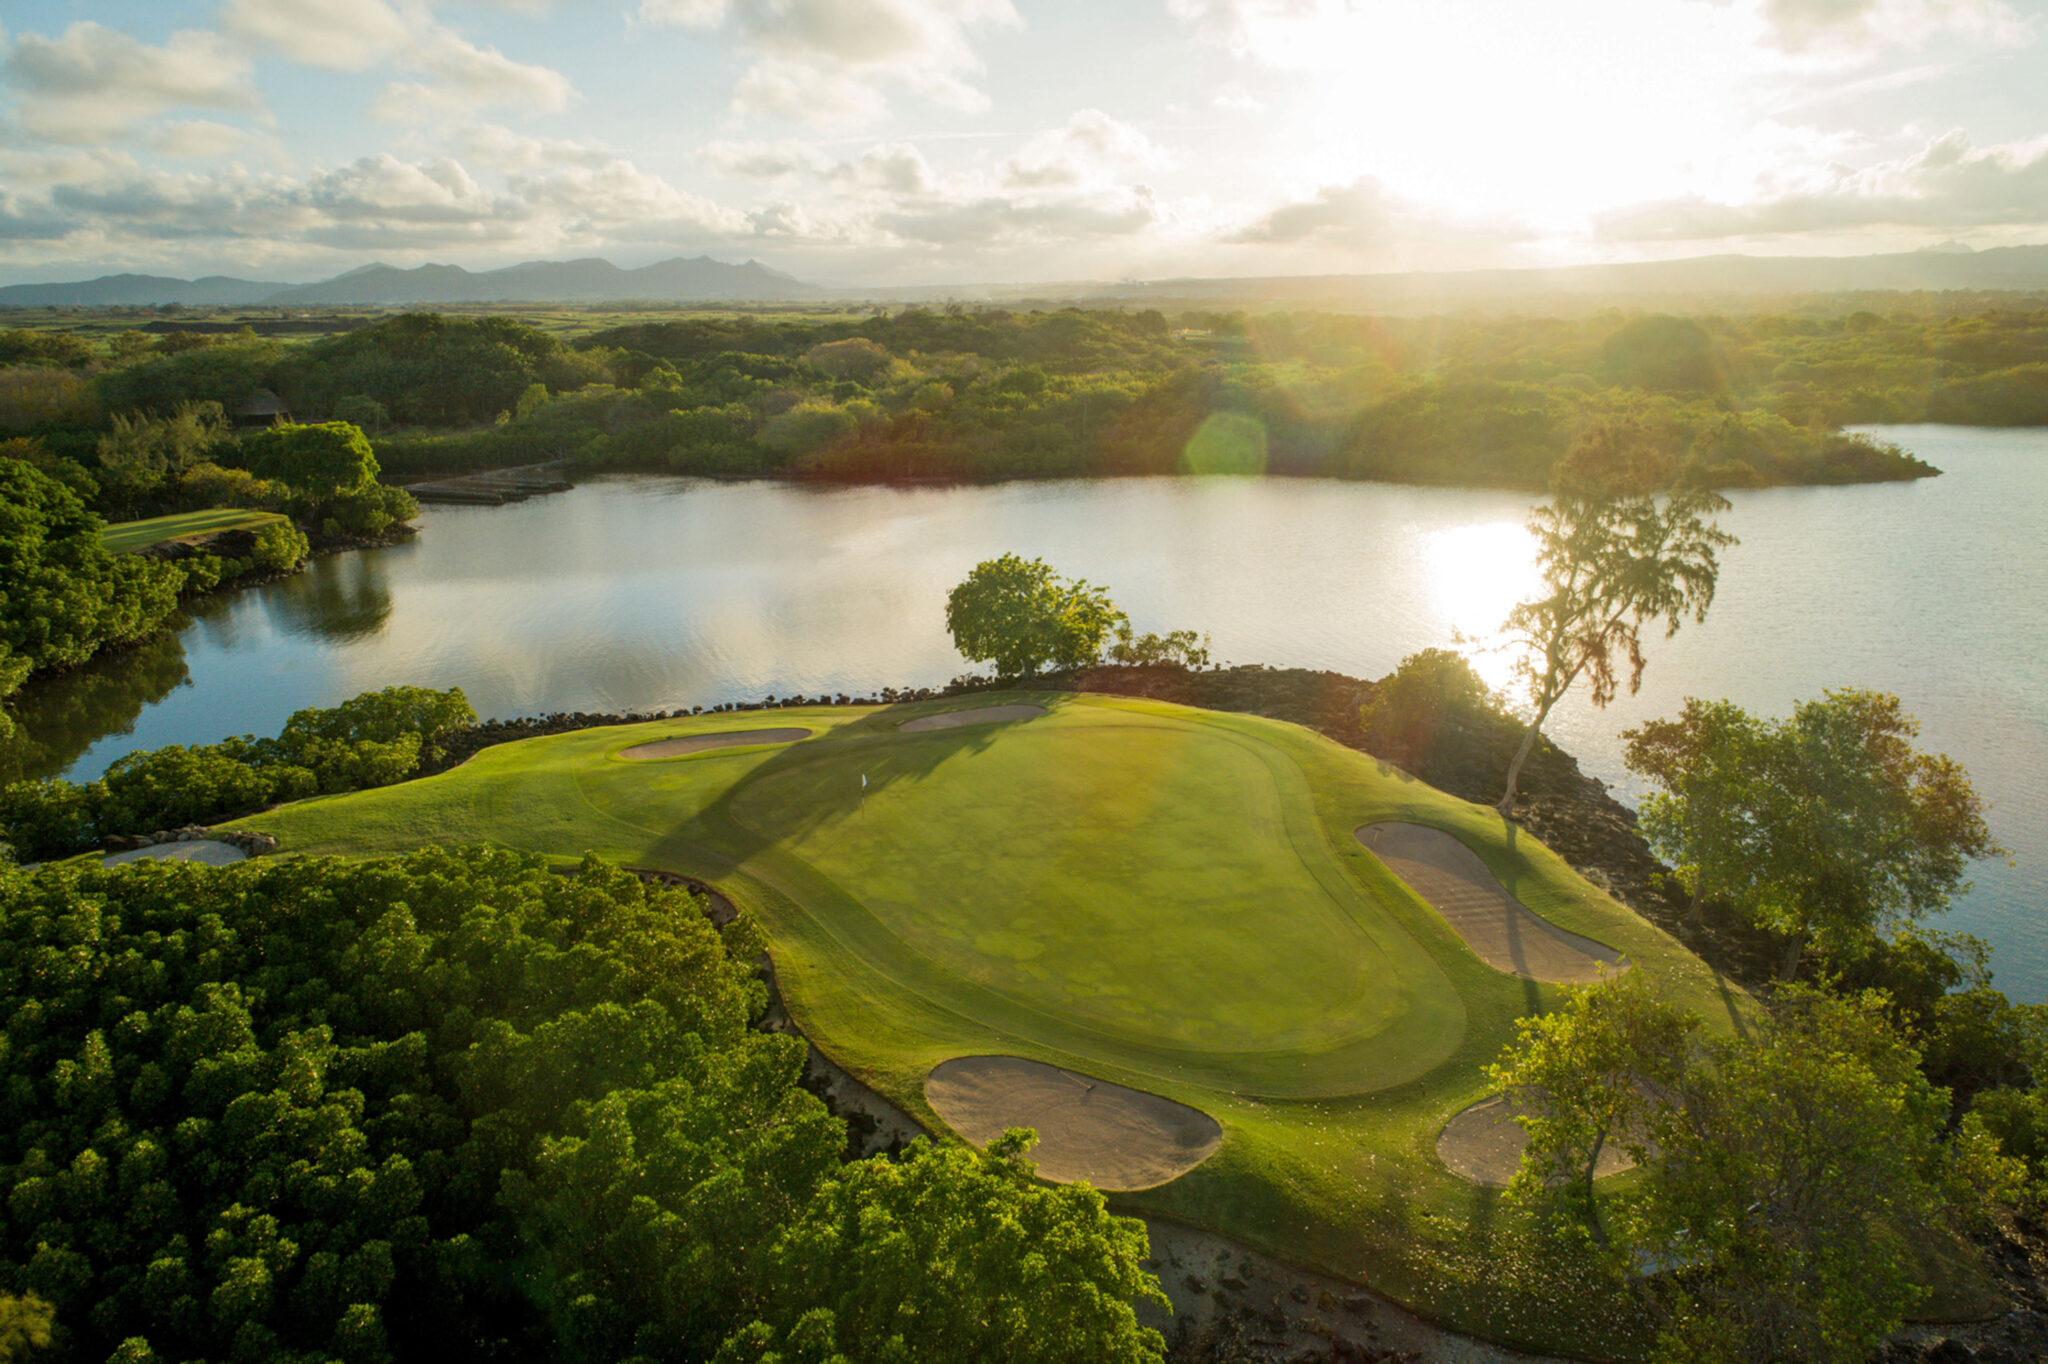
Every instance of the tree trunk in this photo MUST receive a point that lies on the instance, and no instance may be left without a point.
(1592, 1199)
(1692, 911)
(1507, 800)
(1788, 965)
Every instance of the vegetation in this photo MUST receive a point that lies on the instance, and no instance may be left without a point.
(1829, 829)
(1615, 556)
(1161, 897)
(1018, 615)
(1793, 1179)
(1433, 692)
(995, 394)
(375, 739)
(458, 1104)
(129, 536)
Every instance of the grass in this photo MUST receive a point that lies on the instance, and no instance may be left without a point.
(129, 536)
(1164, 897)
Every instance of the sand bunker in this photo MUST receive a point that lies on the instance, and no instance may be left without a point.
(984, 715)
(1113, 1137)
(207, 851)
(1494, 924)
(1484, 1144)
(698, 743)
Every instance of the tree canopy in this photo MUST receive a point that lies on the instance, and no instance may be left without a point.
(1616, 555)
(1828, 828)
(460, 1105)
(1021, 616)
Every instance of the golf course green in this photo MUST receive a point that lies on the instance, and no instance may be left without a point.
(1170, 900)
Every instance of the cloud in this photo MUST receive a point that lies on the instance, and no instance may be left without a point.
(830, 63)
(1362, 216)
(457, 76)
(778, 160)
(1091, 147)
(893, 168)
(997, 219)
(1848, 26)
(93, 83)
(499, 148)
(199, 139)
(335, 35)
(1947, 185)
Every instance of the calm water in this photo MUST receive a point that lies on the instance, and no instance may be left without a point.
(632, 594)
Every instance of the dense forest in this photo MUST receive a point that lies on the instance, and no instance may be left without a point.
(459, 1105)
(138, 424)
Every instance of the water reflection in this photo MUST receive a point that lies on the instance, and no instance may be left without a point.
(341, 598)
(60, 718)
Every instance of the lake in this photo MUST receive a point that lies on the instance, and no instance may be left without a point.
(654, 593)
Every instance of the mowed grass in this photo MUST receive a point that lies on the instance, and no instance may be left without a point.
(1164, 897)
(128, 536)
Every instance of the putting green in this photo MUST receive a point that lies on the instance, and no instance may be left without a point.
(1148, 895)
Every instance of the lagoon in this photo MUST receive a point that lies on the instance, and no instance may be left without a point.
(642, 593)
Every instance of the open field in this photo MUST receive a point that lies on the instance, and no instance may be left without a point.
(128, 536)
(1161, 898)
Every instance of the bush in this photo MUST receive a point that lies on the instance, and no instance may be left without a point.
(1430, 692)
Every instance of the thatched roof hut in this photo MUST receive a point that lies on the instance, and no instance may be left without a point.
(262, 408)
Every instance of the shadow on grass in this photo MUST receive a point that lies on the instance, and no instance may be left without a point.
(884, 759)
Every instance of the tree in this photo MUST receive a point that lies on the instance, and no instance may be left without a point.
(1017, 614)
(1615, 555)
(321, 460)
(1432, 689)
(953, 1255)
(1794, 1180)
(1586, 1076)
(1830, 828)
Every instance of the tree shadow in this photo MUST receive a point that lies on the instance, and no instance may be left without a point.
(723, 840)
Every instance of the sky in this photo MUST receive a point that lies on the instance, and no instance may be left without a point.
(884, 142)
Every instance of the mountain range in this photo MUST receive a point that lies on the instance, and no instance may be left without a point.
(698, 279)
(1949, 266)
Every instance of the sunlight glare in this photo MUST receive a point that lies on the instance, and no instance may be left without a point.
(1476, 575)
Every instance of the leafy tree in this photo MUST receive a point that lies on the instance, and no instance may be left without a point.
(1829, 828)
(1794, 1180)
(67, 597)
(1586, 1076)
(1019, 615)
(25, 1323)
(952, 1255)
(1615, 556)
(1430, 690)
(322, 460)
(1183, 648)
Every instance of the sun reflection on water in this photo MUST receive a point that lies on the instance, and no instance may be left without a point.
(1476, 575)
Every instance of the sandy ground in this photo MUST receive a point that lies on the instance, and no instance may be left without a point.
(981, 715)
(1495, 925)
(202, 850)
(1113, 1137)
(1484, 1144)
(698, 743)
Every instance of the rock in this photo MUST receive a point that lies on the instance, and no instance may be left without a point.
(1950, 1352)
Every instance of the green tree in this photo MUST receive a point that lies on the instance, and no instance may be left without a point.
(952, 1255)
(25, 1323)
(1430, 690)
(1584, 1077)
(321, 460)
(1796, 1177)
(1829, 828)
(1019, 615)
(1616, 555)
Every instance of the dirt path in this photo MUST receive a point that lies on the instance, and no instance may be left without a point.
(1501, 930)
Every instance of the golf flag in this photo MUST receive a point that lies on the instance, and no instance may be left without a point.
(863, 781)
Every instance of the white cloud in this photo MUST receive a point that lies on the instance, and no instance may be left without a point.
(499, 148)
(199, 139)
(94, 83)
(1091, 147)
(893, 168)
(1363, 217)
(778, 160)
(830, 63)
(457, 76)
(335, 35)
(1946, 185)
(1001, 220)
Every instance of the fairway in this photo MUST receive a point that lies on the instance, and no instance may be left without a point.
(129, 536)
(1171, 905)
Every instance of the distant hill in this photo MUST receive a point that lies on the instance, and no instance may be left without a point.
(699, 279)
(1942, 268)
(140, 291)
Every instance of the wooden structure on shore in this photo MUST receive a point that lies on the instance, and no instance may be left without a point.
(494, 487)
